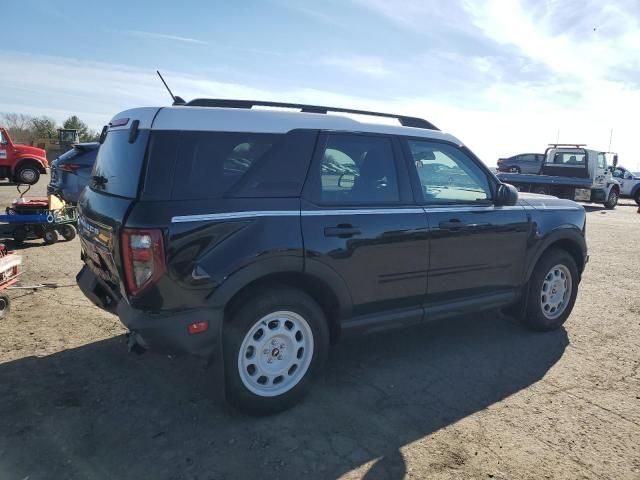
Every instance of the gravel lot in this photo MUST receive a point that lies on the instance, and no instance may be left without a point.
(467, 398)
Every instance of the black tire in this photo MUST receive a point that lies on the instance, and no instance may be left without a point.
(243, 321)
(541, 190)
(68, 232)
(27, 175)
(5, 306)
(612, 199)
(533, 316)
(19, 234)
(637, 197)
(50, 237)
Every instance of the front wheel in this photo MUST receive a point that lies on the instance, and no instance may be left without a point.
(273, 347)
(552, 291)
(27, 175)
(68, 232)
(637, 197)
(612, 199)
(50, 237)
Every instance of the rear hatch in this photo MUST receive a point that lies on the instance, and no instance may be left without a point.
(104, 205)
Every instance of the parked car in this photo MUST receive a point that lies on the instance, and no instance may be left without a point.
(522, 163)
(629, 182)
(256, 238)
(20, 163)
(71, 171)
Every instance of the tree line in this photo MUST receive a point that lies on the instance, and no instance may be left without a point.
(27, 128)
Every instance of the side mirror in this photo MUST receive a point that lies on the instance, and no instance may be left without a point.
(507, 195)
(346, 180)
(615, 160)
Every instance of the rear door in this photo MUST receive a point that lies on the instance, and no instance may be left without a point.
(360, 221)
(477, 249)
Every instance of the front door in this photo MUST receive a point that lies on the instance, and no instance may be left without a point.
(477, 249)
(360, 221)
(4, 149)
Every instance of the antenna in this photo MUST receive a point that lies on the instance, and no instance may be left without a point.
(610, 138)
(176, 100)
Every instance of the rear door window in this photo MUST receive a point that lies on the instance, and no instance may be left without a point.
(119, 163)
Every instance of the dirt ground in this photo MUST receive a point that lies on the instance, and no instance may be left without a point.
(467, 398)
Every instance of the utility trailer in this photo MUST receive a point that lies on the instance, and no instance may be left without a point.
(571, 171)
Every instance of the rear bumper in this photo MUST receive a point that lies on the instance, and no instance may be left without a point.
(161, 332)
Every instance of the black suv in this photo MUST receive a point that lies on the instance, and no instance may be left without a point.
(258, 237)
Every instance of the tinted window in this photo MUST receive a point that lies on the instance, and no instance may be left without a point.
(529, 157)
(447, 174)
(119, 163)
(210, 163)
(357, 169)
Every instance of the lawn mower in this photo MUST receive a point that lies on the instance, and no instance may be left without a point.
(40, 218)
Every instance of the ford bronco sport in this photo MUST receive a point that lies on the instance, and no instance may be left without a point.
(259, 237)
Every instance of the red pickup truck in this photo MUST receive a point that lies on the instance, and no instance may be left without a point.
(20, 163)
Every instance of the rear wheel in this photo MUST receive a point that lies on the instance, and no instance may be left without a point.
(50, 237)
(637, 197)
(612, 199)
(273, 347)
(68, 232)
(19, 234)
(27, 175)
(5, 306)
(552, 291)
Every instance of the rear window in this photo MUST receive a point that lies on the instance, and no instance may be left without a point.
(78, 155)
(119, 163)
(569, 158)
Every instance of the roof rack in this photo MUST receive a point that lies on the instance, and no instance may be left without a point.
(577, 145)
(223, 103)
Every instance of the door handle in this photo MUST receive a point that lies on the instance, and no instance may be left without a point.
(453, 224)
(341, 231)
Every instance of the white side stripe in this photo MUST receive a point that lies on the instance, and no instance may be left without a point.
(355, 211)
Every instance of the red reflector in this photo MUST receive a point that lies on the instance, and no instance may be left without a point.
(198, 327)
(69, 167)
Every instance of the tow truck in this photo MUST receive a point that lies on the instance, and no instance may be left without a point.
(19, 163)
(571, 171)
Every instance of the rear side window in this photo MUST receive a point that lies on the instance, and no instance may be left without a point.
(187, 165)
(210, 163)
(118, 165)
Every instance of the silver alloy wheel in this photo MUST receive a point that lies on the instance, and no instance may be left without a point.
(556, 291)
(275, 354)
(28, 175)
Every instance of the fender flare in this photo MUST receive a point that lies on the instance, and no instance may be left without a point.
(281, 265)
(562, 234)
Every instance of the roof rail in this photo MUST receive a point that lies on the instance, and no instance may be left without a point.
(223, 103)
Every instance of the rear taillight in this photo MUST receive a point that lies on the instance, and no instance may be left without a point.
(143, 258)
(69, 167)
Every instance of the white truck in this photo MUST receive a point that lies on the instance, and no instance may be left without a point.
(629, 182)
(571, 171)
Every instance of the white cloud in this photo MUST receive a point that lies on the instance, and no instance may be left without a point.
(162, 36)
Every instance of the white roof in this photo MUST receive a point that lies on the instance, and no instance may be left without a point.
(260, 121)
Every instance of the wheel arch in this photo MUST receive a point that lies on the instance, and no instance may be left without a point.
(569, 240)
(29, 161)
(318, 289)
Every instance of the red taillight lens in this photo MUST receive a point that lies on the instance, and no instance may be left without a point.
(143, 258)
(69, 167)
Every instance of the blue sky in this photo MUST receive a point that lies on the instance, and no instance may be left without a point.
(502, 76)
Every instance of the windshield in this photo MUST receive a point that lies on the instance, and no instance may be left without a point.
(118, 165)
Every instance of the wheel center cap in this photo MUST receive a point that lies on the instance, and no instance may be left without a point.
(275, 352)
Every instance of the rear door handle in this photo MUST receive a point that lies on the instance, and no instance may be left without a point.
(452, 225)
(341, 231)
